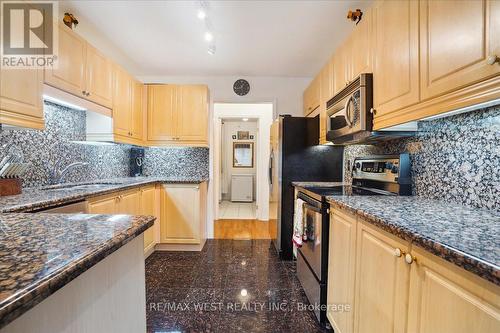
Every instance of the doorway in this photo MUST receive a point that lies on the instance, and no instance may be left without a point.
(238, 169)
(241, 156)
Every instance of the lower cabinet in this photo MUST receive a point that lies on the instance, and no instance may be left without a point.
(149, 206)
(382, 276)
(393, 286)
(445, 299)
(183, 213)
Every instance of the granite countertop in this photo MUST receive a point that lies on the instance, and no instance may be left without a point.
(467, 237)
(36, 198)
(41, 253)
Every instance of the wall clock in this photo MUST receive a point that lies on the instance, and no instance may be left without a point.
(241, 87)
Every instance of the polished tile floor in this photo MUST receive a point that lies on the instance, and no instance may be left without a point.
(237, 210)
(231, 286)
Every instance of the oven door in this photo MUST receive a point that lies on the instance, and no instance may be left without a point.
(311, 248)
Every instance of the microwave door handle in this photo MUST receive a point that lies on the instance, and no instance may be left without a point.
(348, 111)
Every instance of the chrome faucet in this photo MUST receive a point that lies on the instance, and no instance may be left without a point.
(57, 175)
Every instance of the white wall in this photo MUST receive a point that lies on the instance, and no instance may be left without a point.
(230, 128)
(263, 112)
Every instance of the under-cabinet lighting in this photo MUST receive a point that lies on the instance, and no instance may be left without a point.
(463, 110)
(94, 143)
(63, 103)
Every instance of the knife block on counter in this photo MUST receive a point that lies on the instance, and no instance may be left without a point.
(10, 186)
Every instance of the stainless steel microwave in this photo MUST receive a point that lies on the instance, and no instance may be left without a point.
(348, 112)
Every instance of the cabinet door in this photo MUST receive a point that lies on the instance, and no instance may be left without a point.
(21, 102)
(341, 269)
(396, 67)
(192, 113)
(447, 299)
(311, 96)
(326, 92)
(129, 202)
(360, 47)
(148, 207)
(180, 214)
(340, 67)
(103, 206)
(99, 77)
(161, 108)
(457, 37)
(137, 110)
(382, 282)
(70, 72)
(122, 100)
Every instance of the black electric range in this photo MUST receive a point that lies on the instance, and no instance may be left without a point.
(374, 175)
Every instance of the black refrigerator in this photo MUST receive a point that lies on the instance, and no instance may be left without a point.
(295, 155)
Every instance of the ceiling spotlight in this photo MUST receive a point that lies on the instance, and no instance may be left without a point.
(245, 119)
(202, 14)
(208, 36)
(211, 49)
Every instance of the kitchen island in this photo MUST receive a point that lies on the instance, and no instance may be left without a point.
(72, 273)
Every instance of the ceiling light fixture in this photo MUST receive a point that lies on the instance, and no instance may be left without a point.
(209, 36)
(245, 119)
(202, 14)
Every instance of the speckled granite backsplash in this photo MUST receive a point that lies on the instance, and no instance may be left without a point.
(63, 126)
(456, 159)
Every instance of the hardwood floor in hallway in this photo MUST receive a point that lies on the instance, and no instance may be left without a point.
(241, 229)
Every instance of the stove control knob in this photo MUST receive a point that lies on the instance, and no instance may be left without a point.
(358, 165)
(394, 169)
(388, 165)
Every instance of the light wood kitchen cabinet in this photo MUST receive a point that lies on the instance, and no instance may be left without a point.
(396, 58)
(183, 213)
(127, 108)
(149, 206)
(311, 96)
(81, 69)
(177, 114)
(447, 299)
(99, 77)
(360, 47)
(102, 205)
(457, 38)
(326, 92)
(129, 202)
(192, 113)
(70, 72)
(21, 101)
(382, 277)
(341, 269)
(340, 68)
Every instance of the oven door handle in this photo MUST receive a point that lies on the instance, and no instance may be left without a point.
(315, 209)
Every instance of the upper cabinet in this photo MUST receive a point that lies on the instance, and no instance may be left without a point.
(396, 68)
(360, 47)
(458, 43)
(311, 96)
(340, 68)
(81, 70)
(98, 77)
(21, 102)
(127, 108)
(177, 114)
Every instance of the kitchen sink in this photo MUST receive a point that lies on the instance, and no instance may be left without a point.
(80, 186)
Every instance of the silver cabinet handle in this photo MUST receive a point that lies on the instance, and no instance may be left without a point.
(409, 259)
(398, 252)
(373, 111)
(492, 59)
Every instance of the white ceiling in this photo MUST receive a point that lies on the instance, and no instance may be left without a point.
(253, 38)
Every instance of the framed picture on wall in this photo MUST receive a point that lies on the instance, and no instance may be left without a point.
(242, 154)
(243, 135)
(234, 137)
